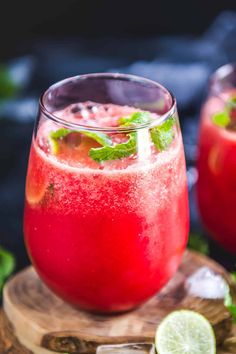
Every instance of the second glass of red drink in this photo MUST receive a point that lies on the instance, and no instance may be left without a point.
(106, 211)
(216, 187)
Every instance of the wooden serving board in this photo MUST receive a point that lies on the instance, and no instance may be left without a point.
(34, 320)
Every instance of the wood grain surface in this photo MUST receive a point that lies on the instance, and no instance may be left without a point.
(34, 320)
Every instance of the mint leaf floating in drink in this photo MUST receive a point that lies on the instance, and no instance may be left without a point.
(61, 133)
(221, 119)
(227, 118)
(135, 118)
(101, 138)
(7, 265)
(117, 151)
(163, 135)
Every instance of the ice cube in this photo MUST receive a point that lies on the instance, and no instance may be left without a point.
(132, 348)
(206, 284)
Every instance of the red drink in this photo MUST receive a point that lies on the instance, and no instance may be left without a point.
(216, 188)
(105, 235)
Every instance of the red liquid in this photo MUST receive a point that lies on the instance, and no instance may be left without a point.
(105, 239)
(216, 188)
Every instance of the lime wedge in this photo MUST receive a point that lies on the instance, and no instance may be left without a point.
(183, 332)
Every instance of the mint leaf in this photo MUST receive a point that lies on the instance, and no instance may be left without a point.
(7, 265)
(114, 152)
(228, 302)
(61, 133)
(196, 242)
(163, 135)
(221, 119)
(136, 118)
(102, 139)
(122, 150)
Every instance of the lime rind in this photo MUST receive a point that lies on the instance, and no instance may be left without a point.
(185, 332)
(54, 145)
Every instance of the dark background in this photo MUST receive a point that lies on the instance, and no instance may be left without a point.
(25, 20)
(179, 43)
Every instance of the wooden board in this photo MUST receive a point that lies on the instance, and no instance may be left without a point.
(34, 320)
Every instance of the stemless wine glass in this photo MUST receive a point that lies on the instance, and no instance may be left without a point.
(106, 212)
(216, 187)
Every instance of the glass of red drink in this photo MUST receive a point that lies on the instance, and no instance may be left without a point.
(216, 187)
(106, 212)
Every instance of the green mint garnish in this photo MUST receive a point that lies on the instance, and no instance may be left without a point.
(125, 149)
(101, 138)
(7, 265)
(135, 118)
(115, 152)
(198, 243)
(221, 119)
(163, 135)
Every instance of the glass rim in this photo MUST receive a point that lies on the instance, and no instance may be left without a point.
(222, 71)
(126, 77)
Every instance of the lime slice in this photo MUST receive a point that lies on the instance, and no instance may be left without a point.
(36, 185)
(183, 332)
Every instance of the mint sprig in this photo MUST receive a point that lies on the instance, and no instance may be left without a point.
(115, 152)
(163, 135)
(122, 150)
(61, 133)
(135, 118)
(223, 119)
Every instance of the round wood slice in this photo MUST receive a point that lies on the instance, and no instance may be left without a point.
(34, 320)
